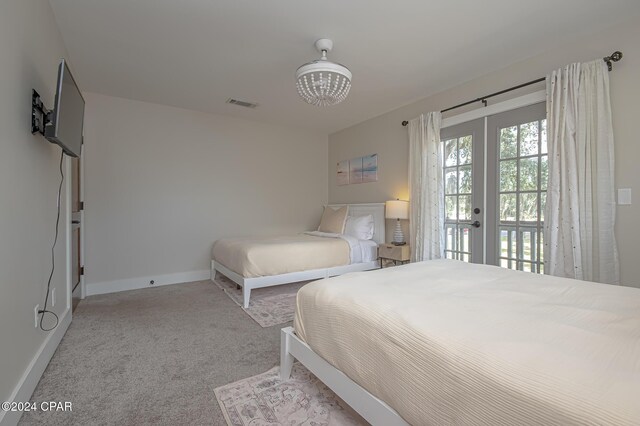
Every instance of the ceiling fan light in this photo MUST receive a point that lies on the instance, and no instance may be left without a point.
(322, 82)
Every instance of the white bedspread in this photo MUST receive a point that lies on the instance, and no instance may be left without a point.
(355, 249)
(445, 342)
(267, 256)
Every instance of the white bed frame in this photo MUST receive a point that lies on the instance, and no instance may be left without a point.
(248, 284)
(371, 408)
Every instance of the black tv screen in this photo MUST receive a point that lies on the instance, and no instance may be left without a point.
(66, 126)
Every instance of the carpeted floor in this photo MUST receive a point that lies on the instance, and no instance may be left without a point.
(153, 356)
(268, 306)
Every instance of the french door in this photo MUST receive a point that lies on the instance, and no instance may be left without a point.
(463, 148)
(494, 206)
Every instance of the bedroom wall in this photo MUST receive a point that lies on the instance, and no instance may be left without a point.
(163, 183)
(385, 135)
(30, 50)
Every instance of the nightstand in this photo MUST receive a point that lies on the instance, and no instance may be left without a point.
(397, 254)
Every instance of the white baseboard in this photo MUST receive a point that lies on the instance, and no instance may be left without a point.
(77, 293)
(33, 373)
(143, 282)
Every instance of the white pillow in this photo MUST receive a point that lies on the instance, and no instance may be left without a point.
(360, 227)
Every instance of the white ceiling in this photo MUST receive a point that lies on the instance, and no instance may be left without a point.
(197, 53)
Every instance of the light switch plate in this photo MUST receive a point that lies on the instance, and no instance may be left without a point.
(624, 196)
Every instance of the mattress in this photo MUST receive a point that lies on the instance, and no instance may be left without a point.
(258, 257)
(446, 342)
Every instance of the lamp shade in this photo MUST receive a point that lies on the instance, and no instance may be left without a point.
(397, 209)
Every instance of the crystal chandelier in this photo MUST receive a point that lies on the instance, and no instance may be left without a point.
(323, 82)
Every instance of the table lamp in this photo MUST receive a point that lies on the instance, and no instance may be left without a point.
(397, 209)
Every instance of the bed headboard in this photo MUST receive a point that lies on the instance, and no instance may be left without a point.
(375, 209)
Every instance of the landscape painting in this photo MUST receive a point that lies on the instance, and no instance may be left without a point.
(343, 172)
(370, 168)
(355, 170)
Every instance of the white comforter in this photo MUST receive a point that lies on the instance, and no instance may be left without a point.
(267, 256)
(445, 342)
(357, 248)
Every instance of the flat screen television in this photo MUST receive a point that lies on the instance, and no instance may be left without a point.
(67, 120)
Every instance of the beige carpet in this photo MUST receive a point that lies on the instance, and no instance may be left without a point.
(301, 400)
(268, 306)
(153, 356)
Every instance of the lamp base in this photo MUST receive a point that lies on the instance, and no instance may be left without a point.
(398, 236)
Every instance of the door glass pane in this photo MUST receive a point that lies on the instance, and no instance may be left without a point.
(529, 139)
(450, 206)
(464, 150)
(464, 176)
(508, 142)
(528, 174)
(522, 195)
(513, 243)
(451, 181)
(464, 236)
(465, 207)
(528, 244)
(544, 172)
(458, 180)
(450, 238)
(508, 207)
(450, 153)
(529, 207)
(508, 175)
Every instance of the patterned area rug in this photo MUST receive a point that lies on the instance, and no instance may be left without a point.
(301, 400)
(268, 306)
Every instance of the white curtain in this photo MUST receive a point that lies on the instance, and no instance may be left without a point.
(426, 188)
(580, 211)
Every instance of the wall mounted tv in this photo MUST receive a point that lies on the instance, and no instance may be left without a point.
(65, 126)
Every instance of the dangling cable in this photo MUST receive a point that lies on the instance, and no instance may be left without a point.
(44, 309)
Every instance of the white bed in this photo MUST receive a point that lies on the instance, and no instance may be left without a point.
(446, 342)
(261, 275)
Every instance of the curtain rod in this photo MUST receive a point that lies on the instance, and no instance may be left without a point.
(615, 57)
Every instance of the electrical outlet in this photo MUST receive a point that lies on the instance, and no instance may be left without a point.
(53, 297)
(36, 315)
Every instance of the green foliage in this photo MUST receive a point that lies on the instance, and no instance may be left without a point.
(521, 174)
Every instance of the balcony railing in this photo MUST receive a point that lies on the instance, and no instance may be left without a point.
(521, 246)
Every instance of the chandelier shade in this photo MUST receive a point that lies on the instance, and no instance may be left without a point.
(322, 82)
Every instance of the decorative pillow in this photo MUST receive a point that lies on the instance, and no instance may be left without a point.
(360, 227)
(333, 220)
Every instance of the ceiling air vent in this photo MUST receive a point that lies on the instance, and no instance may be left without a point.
(241, 103)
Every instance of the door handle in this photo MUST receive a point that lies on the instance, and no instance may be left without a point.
(476, 224)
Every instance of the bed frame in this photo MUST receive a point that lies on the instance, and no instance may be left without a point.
(371, 408)
(248, 284)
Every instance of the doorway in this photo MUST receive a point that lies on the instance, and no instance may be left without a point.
(495, 189)
(77, 216)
